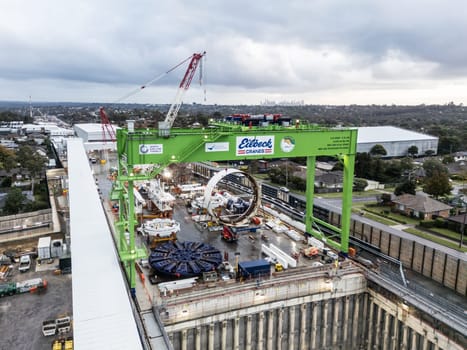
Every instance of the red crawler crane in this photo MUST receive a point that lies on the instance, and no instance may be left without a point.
(164, 127)
(107, 128)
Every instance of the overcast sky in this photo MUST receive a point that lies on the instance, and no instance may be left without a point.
(322, 52)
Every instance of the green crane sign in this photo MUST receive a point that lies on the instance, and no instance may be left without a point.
(229, 142)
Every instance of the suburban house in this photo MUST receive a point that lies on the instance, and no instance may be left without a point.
(329, 181)
(419, 206)
(459, 222)
(460, 156)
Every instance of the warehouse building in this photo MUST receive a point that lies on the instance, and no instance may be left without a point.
(95, 137)
(396, 141)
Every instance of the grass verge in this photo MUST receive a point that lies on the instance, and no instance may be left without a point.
(435, 239)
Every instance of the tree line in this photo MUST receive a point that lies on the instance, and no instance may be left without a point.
(26, 160)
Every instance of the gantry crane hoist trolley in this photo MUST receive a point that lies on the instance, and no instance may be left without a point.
(223, 141)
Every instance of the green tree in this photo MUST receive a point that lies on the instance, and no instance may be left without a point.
(406, 164)
(277, 176)
(377, 170)
(7, 159)
(49, 146)
(393, 171)
(437, 184)
(448, 144)
(412, 151)
(448, 159)
(384, 199)
(378, 151)
(359, 185)
(363, 165)
(32, 161)
(14, 202)
(297, 183)
(217, 115)
(405, 187)
(432, 166)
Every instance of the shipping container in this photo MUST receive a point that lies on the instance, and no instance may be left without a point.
(43, 248)
(254, 268)
(64, 264)
(56, 248)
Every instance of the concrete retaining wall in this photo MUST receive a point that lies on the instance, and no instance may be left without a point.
(26, 225)
(441, 267)
(346, 318)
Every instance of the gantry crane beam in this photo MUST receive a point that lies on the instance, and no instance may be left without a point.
(226, 142)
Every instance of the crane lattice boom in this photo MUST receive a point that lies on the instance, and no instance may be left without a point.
(107, 128)
(164, 127)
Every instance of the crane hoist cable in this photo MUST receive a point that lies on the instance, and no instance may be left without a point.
(194, 59)
(150, 82)
(202, 75)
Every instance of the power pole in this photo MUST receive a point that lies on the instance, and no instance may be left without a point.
(461, 242)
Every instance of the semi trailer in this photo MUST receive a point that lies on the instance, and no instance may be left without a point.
(28, 286)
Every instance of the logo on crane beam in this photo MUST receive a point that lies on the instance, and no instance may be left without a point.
(254, 145)
(287, 144)
(217, 147)
(151, 148)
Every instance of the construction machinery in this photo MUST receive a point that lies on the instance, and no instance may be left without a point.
(231, 232)
(227, 141)
(31, 286)
(108, 132)
(311, 252)
(63, 344)
(166, 125)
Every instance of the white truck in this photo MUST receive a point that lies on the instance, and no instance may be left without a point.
(24, 263)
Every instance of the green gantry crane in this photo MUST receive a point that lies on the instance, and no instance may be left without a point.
(224, 141)
(229, 142)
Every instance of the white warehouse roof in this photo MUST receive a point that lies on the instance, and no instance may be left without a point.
(396, 141)
(102, 314)
(52, 129)
(378, 134)
(90, 132)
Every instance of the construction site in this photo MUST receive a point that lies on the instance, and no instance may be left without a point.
(224, 260)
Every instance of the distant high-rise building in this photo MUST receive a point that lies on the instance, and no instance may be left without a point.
(267, 102)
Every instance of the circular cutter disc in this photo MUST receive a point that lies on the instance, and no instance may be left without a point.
(184, 259)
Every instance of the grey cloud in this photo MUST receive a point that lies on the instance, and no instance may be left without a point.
(124, 42)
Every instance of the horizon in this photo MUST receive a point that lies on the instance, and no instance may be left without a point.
(28, 103)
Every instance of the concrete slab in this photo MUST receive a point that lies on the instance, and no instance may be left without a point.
(49, 265)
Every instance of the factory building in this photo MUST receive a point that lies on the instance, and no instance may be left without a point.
(396, 141)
